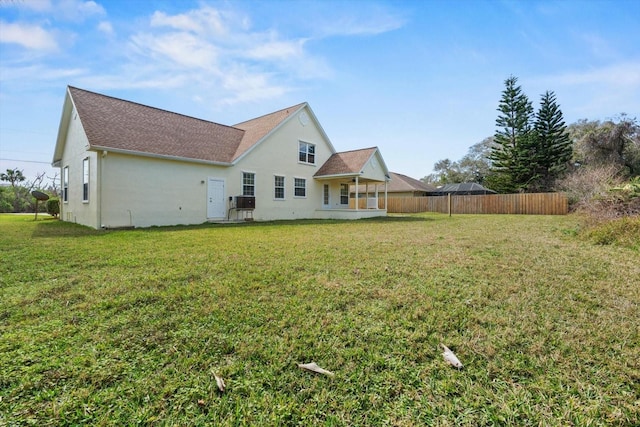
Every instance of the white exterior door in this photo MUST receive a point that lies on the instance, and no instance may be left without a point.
(216, 207)
(326, 196)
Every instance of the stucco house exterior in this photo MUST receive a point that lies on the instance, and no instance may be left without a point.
(124, 164)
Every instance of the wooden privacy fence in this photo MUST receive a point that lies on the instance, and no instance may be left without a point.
(527, 204)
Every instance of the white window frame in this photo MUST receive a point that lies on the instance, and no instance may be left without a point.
(277, 187)
(85, 180)
(344, 193)
(326, 195)
(65, 184)
(296, 187)
(246, 186)
(303, 151)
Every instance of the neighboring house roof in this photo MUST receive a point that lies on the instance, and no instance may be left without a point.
(118, 125)
(463, 188)
(346, 162)
(403, 183)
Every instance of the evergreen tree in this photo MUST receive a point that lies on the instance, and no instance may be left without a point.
(553, 148)
(514, 141)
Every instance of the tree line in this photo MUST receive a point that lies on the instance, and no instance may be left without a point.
(15, 191)
(535, 151)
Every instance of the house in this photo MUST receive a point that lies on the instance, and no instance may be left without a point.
(124, 164)
(399, 186)
(461, 189)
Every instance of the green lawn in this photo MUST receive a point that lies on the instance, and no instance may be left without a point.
(127, 327)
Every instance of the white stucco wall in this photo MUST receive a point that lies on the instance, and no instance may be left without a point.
(131, 190)
(75, 151)
(278, 155)
(142, 191)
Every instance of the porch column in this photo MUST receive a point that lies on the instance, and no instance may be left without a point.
(385, 194)
(357, 200)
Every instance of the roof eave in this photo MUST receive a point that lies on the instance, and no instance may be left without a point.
(158, 156)
(338, 175)
(67, 109)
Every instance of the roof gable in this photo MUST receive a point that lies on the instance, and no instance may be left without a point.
(118, 125)
(255, 130)
(346, 162)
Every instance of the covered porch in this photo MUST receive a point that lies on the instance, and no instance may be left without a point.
(368, 204)
(353, 168)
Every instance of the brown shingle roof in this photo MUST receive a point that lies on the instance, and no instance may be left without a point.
(401, 183)
(112, 123)
(258, 128)
(346, 162)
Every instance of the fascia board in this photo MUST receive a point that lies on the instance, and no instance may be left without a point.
(63, 128)
(157, 156)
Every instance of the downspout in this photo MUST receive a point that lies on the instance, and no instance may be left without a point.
(101, 159)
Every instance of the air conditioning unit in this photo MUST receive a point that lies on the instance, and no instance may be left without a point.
(245, 202)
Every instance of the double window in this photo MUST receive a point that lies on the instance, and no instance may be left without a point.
(300, 187)
(248, 184)
(278, 187)
(306, 153)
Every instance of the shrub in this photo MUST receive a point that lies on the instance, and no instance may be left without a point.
(53, 207)
(621, 232)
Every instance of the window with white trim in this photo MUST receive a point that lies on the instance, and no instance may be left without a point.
(344, 194)
(300, 187)
(325, 194)
(248, 184)
(278, 187)
(65, 184)
(306, 153)
(85, 180)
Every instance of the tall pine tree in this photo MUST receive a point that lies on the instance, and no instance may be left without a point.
(553, 146)
(514, 141)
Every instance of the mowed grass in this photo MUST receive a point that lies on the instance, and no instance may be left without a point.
(128, 327)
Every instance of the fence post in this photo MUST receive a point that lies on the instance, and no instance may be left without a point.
(449, 203)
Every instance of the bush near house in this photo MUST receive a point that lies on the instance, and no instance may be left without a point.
(53, 207)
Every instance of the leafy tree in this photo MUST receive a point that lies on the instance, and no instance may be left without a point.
(553, 147)
(14, 177)
(614, 142)
(473, 167)
(514, 140)
(476, 164)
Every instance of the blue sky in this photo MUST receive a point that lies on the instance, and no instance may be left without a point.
(419, 79)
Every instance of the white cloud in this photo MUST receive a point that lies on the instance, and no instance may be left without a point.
(181, 49)
(278, 49)
(76, 10)
(33, 5)
(363, 21)
(27, 35)
(71, 10)
(41, 73)
(105, 27)
(203, 21)
(244, 86)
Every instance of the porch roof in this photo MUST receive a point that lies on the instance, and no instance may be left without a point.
(346, 164)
